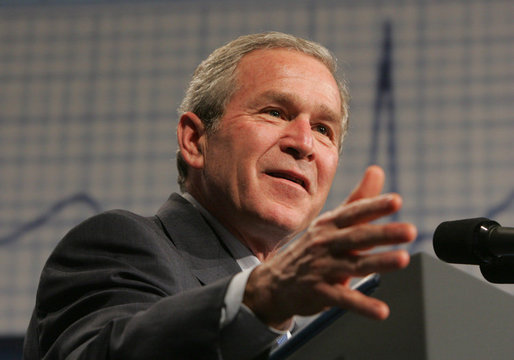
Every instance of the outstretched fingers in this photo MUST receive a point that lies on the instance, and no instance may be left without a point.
(339, 294)
(354, 300)
(366, 236)
(363, 210)
(335, 270)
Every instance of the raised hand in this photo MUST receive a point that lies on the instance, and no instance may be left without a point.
(314, 272)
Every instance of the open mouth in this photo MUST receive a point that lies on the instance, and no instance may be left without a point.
(289, 176)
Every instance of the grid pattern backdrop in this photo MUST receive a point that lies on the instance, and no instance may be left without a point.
(88, 93)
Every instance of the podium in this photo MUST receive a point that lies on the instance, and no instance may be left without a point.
(437, 312)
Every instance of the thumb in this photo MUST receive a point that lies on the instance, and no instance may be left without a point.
(370, 185)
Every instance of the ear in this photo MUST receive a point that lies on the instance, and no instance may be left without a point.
(191, 138)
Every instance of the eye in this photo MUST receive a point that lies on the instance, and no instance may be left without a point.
(274, 113)
(322, 129)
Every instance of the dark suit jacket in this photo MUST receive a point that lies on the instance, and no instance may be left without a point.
(122, 286)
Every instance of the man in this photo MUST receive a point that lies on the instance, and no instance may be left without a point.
(259, 139)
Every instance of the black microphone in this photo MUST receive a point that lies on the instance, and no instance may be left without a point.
(478, 241)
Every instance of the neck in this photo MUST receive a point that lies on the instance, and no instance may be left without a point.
(262, 239)
(262, 249)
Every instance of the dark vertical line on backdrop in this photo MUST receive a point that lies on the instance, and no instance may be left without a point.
(384, 108)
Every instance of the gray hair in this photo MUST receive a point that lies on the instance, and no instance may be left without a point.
(214, 80)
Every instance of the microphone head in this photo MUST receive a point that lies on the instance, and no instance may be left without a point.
(457, 241)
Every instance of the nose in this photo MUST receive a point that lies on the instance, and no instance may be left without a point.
(298, 139)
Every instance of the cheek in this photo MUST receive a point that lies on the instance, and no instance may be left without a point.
(327, 169)
(259, 134)
(235, 154)
(254, 143)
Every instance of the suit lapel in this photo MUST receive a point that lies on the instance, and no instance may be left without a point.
(196, 241)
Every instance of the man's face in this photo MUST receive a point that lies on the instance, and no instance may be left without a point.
(270, 164)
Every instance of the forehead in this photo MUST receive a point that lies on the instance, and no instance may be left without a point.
(268, 73)
(279, 60)
(278, 64)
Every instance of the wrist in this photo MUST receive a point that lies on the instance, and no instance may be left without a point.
(259, 298)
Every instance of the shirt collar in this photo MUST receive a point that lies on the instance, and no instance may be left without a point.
(243, 256)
